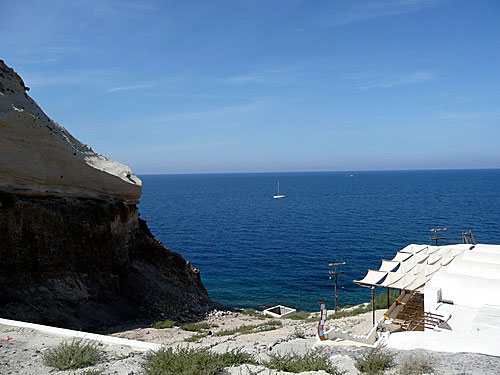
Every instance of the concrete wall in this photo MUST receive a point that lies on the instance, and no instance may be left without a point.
(467, 291)
(482, 248)
(476, 269)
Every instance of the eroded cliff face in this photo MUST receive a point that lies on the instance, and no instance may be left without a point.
(38, 157)
(73, 250)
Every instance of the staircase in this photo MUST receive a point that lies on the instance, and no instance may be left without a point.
(420, 322)
(408, 312)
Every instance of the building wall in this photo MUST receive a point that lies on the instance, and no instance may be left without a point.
(466, 290)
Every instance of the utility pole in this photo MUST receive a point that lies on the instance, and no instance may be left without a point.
(334, 272)
(436, 237)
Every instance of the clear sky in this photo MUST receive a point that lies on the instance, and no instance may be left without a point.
(240, 86)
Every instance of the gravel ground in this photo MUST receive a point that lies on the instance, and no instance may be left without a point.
(23, 353)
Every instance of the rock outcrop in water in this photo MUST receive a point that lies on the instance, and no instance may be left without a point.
(73, 250)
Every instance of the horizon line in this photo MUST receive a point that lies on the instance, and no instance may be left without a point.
(322, 171)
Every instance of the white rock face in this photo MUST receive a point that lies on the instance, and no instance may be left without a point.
(38, 157)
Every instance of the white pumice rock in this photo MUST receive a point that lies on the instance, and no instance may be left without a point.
(38, 157)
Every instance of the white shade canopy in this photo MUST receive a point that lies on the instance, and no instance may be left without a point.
(434, 258)
(418, 283)
(401, 257)
(408, 265)
(446, 260)
(420, 257)
(414, 249)
(418, 269)
(404, 281)
(432, 268)
(391, 278)
(372, 277)
(415, 265)
(388, 265)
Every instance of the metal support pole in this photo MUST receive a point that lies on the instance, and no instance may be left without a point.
(388, 298)
(373, 305)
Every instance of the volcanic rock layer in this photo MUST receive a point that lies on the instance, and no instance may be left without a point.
(73, 250)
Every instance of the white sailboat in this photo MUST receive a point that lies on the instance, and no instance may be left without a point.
(278, 195)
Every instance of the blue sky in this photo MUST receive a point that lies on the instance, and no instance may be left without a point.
(240, 86)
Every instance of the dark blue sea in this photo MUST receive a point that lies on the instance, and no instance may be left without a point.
(256, 251)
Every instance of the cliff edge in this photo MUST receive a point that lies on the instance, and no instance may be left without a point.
(38, 157)
(73, 251)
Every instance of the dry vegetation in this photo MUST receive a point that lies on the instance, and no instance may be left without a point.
(72, 355)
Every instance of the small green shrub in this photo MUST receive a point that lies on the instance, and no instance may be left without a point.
(374, 362)
(301, 315)
(163, 324)
(345, 313)
(417, 364)
(381, 300)
(380, 303)
(314, 360)
(188, 361)
(197, 327)
(247, 329)
(254, 313)
(72, 355)
(197, 337)
(299, 333)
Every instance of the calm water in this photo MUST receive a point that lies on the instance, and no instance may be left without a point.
(254, 251)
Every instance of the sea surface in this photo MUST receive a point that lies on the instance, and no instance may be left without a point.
(256, 251)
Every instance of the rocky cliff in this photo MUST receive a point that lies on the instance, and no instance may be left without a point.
(73, 250)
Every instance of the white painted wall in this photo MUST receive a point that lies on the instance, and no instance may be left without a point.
(465, 290)
(477, 269)
(483, 248)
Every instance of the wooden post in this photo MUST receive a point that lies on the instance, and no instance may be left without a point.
(436, 237)
(388, 298)
(336, 294)
(373, 305)
(336, 289)
(471, 237)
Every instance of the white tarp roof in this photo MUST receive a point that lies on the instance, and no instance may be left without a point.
(414, 249)
(392, 277)
(400, 257)
(414, 265)
(388, 265)
(372, 277)
(418, 283)
(434, 258)
(404, 281)
(408, 265)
